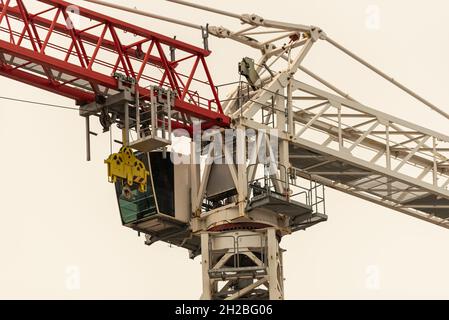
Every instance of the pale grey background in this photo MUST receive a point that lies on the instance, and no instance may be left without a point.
(60, 232)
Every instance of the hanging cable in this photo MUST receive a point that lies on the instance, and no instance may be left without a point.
(40, 103)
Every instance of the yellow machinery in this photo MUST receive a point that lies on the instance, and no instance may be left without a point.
(124, 165)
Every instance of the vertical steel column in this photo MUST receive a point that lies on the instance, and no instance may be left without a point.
(205, 263)
(275, 274)
(88, 153)
(125, 130)
(222, 262)
(283, 111)
(137, 106)
(170, 101)
(153, 101)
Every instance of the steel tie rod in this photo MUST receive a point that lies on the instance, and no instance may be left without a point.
(388, 78)
(147, 14)
(244, 17)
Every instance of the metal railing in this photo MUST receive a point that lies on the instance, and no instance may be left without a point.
(316, 190)
(153, 119)
(292, 188)
(236, 252)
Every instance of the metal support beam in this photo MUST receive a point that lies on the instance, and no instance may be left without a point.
(88, 153)
(222, 262)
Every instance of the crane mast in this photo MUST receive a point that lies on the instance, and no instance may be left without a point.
(259, 158)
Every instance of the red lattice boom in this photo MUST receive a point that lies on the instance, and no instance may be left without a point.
(75, 52)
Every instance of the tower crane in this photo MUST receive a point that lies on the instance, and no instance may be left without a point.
(259, 158)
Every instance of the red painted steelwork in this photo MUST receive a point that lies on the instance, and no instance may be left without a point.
(81, 63)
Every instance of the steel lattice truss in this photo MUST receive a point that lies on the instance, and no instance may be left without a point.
(337, 140)
(325, 136)
(332, 138)
(372, 155)
(75, 52)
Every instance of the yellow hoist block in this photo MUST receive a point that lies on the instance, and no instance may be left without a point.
(124, 165)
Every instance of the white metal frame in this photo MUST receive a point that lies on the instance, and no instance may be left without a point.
(263, 280)
(325, 134)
